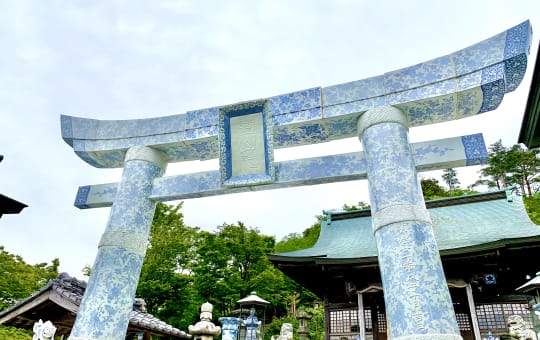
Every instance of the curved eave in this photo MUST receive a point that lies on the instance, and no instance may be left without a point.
(461, 225)
(289, 263)
(10, 206)
(510, 243)
(285, 258)
(320, 260)
(465, 83)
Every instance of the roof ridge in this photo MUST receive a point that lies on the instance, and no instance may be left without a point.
(436, 203)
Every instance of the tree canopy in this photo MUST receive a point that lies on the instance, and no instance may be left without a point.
(432, 190)
(13, 333)
(185, 267)
(449, 176)
(18, 279)
(512, 166)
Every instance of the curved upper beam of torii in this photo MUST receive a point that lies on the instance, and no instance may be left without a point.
(465, 83)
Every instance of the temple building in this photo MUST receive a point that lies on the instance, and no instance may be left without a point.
(59, 301)
(488, 245)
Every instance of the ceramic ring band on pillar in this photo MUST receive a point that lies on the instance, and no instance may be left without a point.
(145, 153)
(383, 114)
(399, 213)
(135, 243)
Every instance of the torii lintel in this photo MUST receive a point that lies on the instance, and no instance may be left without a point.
(465, 83)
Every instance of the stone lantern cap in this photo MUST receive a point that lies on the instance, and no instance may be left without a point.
(253, 299)
(303, 315)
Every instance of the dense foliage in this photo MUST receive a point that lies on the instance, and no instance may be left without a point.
(304, 240)
(433, 190)
(18, 279)
(515, 167)
(166, 281)
(185, 267)
(532, 204)
(12, 333)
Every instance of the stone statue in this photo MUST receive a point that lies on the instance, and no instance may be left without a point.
(286, 332)
(518, 328)
(43, 331)
(205, 329)
(252, 325)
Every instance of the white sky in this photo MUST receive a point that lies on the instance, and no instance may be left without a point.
(134, 59)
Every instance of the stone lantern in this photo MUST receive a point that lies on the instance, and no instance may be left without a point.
(253, 325)
(303, 329)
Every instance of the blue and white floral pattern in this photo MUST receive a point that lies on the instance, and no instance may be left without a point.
(107, 303)
(470, 81)
(416, 295)
(428, 156)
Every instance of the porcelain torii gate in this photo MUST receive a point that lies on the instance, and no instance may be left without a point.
(243, 136)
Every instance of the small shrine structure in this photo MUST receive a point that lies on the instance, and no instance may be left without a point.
(59, 302)
(253, 326)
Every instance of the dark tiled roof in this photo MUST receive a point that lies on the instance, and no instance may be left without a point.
(148, 321)
(71, 291)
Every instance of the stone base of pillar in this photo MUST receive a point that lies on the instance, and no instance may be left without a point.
(429, 337)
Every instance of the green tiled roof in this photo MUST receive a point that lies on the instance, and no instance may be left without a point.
(461, 224)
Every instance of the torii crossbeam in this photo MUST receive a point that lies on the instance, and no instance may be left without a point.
(243, 136)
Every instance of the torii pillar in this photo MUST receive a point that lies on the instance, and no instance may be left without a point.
(417, 299)
(108, 299)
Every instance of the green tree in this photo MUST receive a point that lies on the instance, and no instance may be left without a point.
(532, 205)
(18, 279)
(247, 250)
(211, 270)
(432, 189)
(166, 281)
(498, 166)
(360, 206)
(449, 176)
(525, 168)
(306, 239)
(232, 262)
(512, 166)
(185, 267)
(13, 333)
(316, 323)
